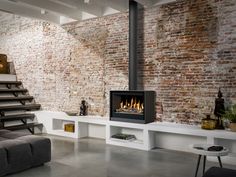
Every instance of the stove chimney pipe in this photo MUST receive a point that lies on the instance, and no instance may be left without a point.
(133, 41)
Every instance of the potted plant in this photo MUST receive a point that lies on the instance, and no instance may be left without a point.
(230, 114)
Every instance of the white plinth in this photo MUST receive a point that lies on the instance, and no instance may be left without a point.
(170, 135)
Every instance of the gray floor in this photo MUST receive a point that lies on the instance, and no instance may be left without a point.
(92, 158)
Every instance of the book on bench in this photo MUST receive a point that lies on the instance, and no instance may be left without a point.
(122, 136)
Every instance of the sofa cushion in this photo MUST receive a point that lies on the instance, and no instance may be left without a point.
(13, 135)
(40, 147)
(220, 172)
(3, 132)
(2, 139)
(19, 156)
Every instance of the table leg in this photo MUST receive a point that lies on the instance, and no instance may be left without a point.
(220, 161)
(204, 164)
(198, 162)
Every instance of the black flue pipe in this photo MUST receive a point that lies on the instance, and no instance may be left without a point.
(133, 44)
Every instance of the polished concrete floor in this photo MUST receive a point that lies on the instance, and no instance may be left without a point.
(92, 158)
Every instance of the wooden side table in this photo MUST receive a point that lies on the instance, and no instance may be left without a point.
(202, 150)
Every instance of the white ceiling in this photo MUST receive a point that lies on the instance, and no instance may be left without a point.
(66, 11)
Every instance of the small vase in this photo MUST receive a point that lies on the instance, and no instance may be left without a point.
(232, 127)
(208, 123)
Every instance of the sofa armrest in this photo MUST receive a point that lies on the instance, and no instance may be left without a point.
(3, 161)
(40, 148)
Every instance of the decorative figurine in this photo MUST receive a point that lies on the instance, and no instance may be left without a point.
(219, 110)
(83, 108)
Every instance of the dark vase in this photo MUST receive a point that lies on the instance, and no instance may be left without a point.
(83, 108)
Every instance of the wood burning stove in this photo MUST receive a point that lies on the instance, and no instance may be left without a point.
(132, 106)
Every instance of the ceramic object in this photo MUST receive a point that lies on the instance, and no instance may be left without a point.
(71, 113)
(232, 127)
(208, 123)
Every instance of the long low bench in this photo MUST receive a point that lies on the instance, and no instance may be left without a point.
(20, 151)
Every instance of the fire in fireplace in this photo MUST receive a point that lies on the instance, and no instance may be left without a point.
(132, 106)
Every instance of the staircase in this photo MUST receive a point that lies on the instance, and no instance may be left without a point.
(15, 104)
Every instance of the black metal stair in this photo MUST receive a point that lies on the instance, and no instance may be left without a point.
(13, 90)
(20, 107)
(11, 82)
(17, 117)
(19, 96)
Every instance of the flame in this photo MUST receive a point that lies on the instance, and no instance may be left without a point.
(133, 105)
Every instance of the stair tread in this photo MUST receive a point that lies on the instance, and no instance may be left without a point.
(8, 98)
(17, 117)
(23, 126)
(20, 107)
(11, 82)
(13, 90)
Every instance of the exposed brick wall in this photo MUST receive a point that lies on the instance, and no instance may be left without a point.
(188, 52)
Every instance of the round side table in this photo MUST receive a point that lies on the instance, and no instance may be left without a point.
(202, 150)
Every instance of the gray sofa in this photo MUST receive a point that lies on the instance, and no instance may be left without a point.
(220, 172)
(20, 151)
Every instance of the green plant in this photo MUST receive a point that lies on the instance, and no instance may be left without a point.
(230, 114)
